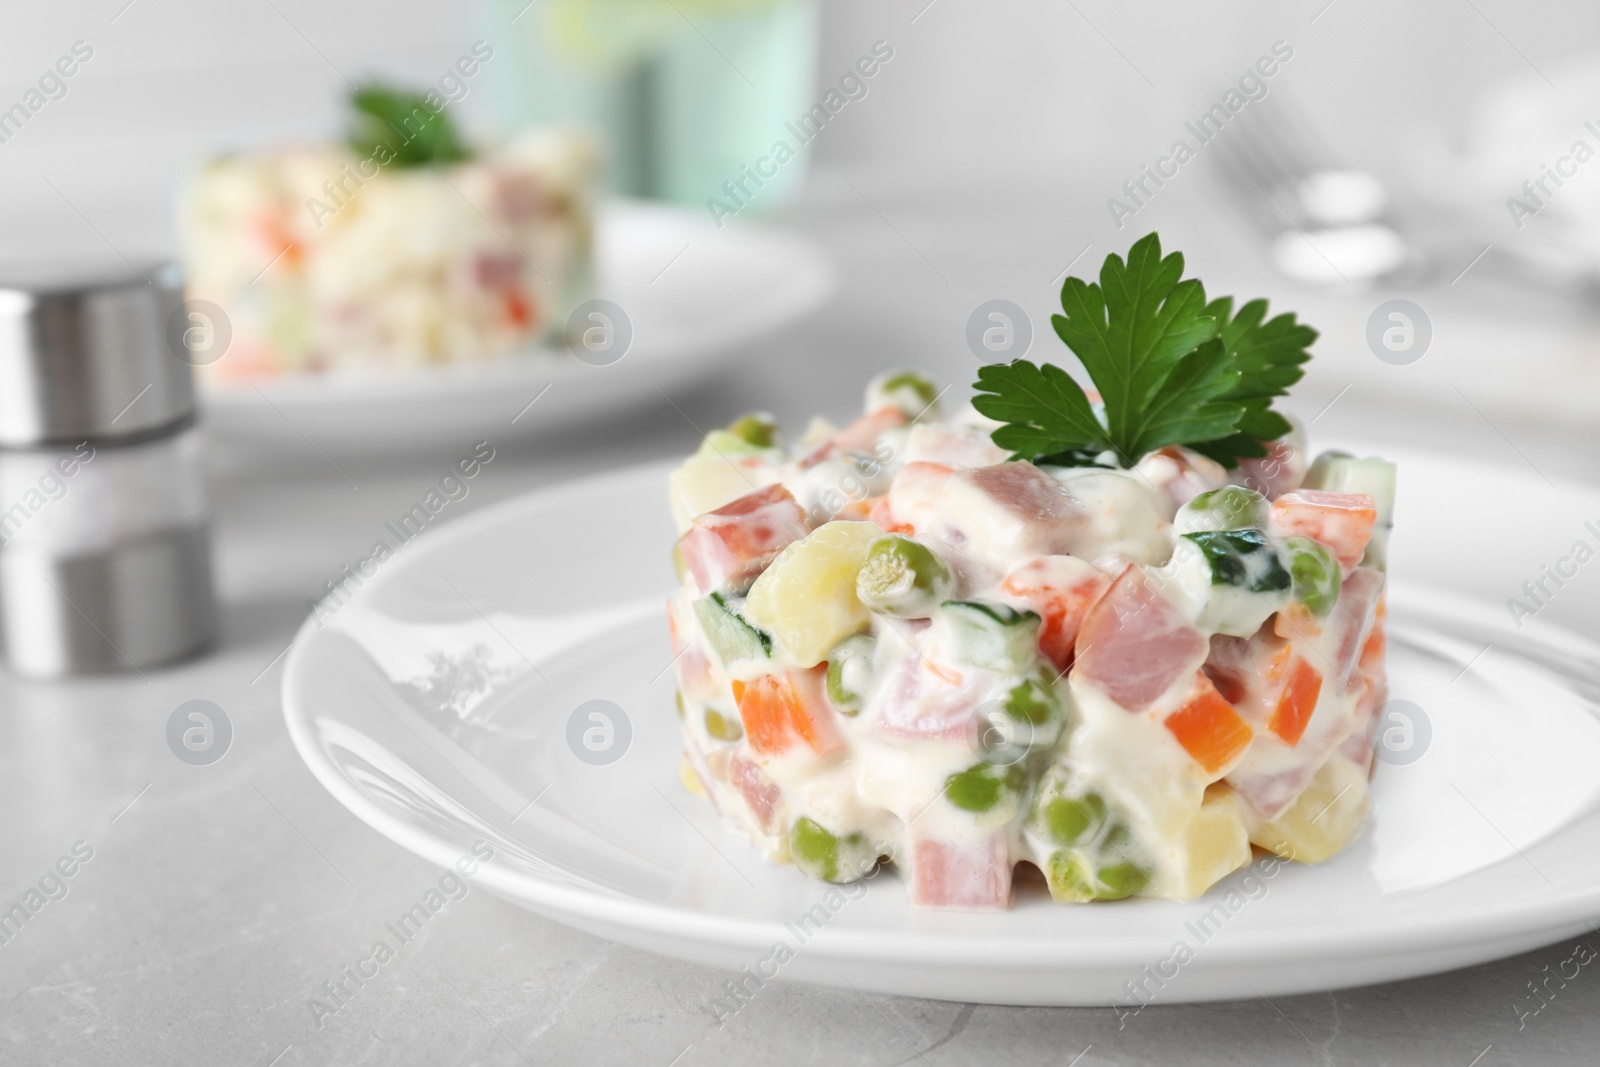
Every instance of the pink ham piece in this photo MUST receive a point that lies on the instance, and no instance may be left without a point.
(760, 794)
(1135, 644)
(949, 875)
(1340, 521)
(1352, 619)
(727, 548)
(1283, 468)
(860, 436)
(1008, 513)
(1181, 474)
(952, 446)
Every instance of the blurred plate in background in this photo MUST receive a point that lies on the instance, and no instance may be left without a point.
(694, 295)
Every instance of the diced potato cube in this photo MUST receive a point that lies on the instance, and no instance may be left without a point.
(707, 480)
(1212, 846)
(807, 598)
(1323, 819)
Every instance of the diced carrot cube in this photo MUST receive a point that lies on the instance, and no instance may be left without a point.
(1061, 589)
(1342, 522)
(915, 492)
(1296, 703)
(782, 710)
(1209, 729)
(882, 513)
(727, 548)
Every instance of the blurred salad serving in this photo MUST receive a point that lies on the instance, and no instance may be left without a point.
(404, 245)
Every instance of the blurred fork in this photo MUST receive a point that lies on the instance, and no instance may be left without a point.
(1325, 223)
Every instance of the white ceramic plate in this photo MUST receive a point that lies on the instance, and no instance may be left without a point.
(437, 706)
(693, 293)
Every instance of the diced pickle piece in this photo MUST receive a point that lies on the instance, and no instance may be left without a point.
(1315, 575)
(993, 636)
(1231, 581)
(723, 727)
(1241, 558)
(729, 635)
(1233, 507)
(807, 598)
(850, 673)
(982, 786)
(903, 578)
(830, 857)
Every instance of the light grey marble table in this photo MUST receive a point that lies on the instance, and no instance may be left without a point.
(219, 899)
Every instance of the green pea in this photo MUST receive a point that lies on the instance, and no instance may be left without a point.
(827, 856)
(1118, 880)
(914, 382)
(980, 787)
(723, 727)
(1315, 575)
(1069, 878)
(757, 428)
(1070, 819)
(1233, 507)
(903, 578)
(848, 664)
(1032, 701)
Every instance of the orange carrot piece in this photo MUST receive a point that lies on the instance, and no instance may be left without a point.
(782, 710)
(1296, 703)
(1209, 729)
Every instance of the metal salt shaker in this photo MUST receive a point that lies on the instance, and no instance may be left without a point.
(105, 557)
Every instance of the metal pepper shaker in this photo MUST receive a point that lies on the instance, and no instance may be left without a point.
(105, 559)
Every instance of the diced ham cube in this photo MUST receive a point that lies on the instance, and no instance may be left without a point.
(927, 700)
(727, 548)
(1135, 644)
(1352, 619)
(695, 677)
(945, 874)
(1283, 468)
(1061, 590)
(953, 446)
(786, 709)
(760, 793)
(1340, 521)
(914, 495)
(1181, 474)
(859, 436)
(1008, 512)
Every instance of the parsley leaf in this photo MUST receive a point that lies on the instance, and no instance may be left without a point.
(1269, 354)
(397, 126)
(1170, 368)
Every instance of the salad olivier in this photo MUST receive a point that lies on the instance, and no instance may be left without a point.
(1124, 634)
